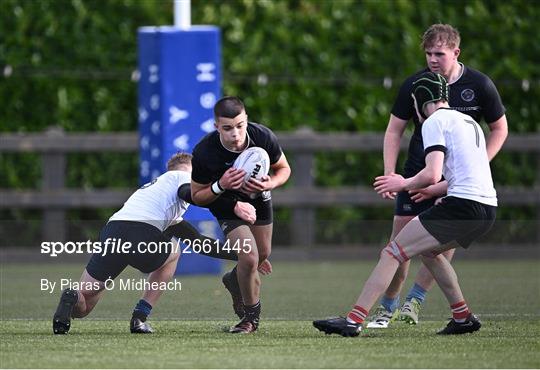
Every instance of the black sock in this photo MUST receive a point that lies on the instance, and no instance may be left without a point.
(234, 277)
(253, 312)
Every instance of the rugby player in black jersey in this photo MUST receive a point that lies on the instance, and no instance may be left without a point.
(214, 177)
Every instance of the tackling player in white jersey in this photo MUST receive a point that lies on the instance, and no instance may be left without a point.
(455, 147)
(151, 216)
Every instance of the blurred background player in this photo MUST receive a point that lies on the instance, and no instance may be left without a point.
(455, 148)
(213, 177)
(472, 93)
(152, 214)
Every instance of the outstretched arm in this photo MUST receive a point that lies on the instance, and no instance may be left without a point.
(431, 174)
(432, 191)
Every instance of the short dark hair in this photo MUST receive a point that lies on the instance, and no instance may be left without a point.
(178, 159)
(228, 107)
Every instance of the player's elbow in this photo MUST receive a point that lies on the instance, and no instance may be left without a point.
(285, 173)
(198, 199)
(502, 133)
(281, 175)
(431, 177)
(201, 202)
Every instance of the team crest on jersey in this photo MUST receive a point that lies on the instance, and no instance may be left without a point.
(467, 95)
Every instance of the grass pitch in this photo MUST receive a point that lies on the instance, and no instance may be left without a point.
(190, 323)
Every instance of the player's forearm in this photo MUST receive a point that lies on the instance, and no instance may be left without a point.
(203, 196)
(280, 176)
(391, 151)
(495, 140)
(422, 179)
(184, 192)
(440, 188)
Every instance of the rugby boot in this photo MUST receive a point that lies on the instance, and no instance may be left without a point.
(62, 316)
(338, 325)
(470, 325)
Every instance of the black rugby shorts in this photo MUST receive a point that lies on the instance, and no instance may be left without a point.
(457, 219)
(405, 206)
(228, 221)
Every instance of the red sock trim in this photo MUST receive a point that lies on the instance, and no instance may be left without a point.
(460, 310)
(361, 309)
(358, 314)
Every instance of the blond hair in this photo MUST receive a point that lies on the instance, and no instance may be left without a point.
(443, 34)
(179, 159)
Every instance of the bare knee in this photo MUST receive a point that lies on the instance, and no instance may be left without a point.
(175, 257)
(395, 251)
(248, 262)
(168, 265)
(449, 254)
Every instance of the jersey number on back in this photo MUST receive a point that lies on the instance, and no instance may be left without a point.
(475, 126)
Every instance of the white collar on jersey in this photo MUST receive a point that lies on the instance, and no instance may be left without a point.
(462, 70)
(236, 151)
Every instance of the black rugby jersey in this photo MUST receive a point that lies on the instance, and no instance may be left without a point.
(473, 93)
(211, 159)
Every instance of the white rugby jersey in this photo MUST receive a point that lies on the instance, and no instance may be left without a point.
(466, 164)
(157, 203)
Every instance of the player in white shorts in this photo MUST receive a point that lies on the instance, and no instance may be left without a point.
(455, 148)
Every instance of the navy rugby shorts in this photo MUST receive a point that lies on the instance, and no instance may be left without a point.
(110, 265)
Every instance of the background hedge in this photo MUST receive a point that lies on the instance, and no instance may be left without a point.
(331, 65)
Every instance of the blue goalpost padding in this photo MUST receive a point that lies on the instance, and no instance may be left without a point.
(179, 83)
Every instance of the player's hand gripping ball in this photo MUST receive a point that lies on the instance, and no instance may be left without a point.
(255, 162)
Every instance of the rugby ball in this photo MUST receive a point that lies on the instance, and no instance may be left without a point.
(254, 161)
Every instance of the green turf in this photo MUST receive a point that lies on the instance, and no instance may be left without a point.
(190, 323)
(289, 344)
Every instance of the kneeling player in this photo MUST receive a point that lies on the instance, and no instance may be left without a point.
(454, 146)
